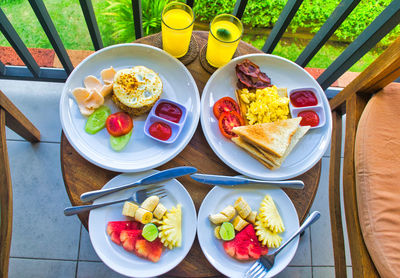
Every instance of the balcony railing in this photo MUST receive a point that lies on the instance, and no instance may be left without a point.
(381, 26)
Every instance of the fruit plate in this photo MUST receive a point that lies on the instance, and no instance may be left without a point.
(120, 260)
(142, 153)
(220, 197)
(283, 74)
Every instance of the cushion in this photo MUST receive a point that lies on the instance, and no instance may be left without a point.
(377, 164)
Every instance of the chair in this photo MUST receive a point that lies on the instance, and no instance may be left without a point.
(352, 101)
(14, 119)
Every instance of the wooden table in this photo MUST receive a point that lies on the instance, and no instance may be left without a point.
(81, 176)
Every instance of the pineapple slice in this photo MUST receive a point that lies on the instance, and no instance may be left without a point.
(171, 228)
(269, 215)
(266, 236)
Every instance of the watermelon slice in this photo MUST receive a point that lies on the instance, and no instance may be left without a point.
(114, 229)
(245, 245)
(129, 238)
(149, 250)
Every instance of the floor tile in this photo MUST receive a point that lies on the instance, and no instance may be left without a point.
(20, 268)
(324, 272)
(87, 270)
(39, 101)
(303, 253)
(295, 272)
(86, 251)
(40, 229)
(321, 239)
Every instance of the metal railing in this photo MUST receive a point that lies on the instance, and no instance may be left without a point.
(381, 26)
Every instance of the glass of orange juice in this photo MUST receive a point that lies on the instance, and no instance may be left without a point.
(177, 24)
(223, 39)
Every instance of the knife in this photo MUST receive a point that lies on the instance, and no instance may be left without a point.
(151, 179)
(230, 181)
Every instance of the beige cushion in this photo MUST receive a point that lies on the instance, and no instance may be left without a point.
(377, 162)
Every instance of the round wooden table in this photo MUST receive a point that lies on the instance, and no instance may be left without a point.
(81, 176)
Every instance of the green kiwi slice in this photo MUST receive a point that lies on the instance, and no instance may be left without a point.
(227, 232)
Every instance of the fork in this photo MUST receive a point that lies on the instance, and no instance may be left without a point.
(137, 197)
(266, 262)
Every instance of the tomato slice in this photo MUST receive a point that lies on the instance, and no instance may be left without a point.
(227, 121)
(225, 104)
(119, 124)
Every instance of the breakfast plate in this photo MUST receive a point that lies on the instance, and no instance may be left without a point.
(126, 263)
(283, 74)
(220, 197)
(142, 153)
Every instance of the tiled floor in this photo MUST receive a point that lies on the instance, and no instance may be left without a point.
(45, 243)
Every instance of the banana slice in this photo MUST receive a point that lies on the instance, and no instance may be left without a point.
(216, 232)
(242, 207)
(159, 211)
(252, 217)
(129, 209)
(239, 223)
(229, 212)
(143, 216)
(150, 203)
(218, 218)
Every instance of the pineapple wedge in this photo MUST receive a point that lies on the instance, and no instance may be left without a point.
(171, 228)
(266, 236)
(269, 215)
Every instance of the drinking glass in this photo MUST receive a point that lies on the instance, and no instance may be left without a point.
(177, 24)
(223, 39)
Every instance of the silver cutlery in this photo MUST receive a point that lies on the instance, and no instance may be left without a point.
(137, 197)
(266, 262)
(151, 179)
(230, 181)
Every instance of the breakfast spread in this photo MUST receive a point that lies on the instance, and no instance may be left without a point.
(152, 227)
(249, 235)
(136, 90)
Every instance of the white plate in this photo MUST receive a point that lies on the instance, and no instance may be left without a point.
(142, 153)
(126, 263)
(283, 73)
(220, 197)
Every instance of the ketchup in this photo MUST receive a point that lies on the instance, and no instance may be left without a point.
(169, 111)
(308, 118)
(303, 98)
(160, 131)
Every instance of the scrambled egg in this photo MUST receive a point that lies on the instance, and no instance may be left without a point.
(265, 105)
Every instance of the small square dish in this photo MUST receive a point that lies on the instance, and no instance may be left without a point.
(307, 103)
(165, 121)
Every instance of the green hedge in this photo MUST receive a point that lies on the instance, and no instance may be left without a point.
(311, 15)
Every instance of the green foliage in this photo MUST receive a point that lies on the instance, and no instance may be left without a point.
(121, 17)
(311, 15)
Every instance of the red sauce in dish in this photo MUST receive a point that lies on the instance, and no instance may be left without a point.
(169, 112)
(303, 98)
(160, 131)
(308, 118)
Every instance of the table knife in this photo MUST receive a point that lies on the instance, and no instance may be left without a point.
(151, 179)
(231, 181)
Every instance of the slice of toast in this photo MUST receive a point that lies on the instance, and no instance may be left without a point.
(272, 137)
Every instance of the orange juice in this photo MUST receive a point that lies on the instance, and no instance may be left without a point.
(177, 26)
(223, 39)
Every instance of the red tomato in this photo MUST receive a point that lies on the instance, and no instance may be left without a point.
(229, 120)
(160, 131)
(119, 124)
(225, 104)
(309, 118)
